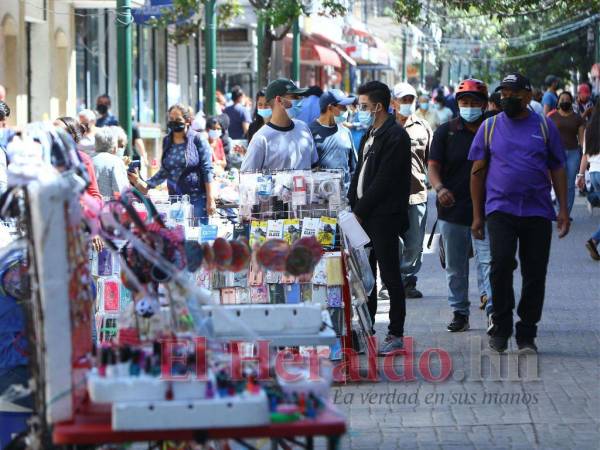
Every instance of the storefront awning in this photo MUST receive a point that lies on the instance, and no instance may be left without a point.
(345, 56)
(326, 56)
(373, 67)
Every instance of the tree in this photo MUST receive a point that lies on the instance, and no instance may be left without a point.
(278, 17)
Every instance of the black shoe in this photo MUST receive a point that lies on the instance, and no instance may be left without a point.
(459, 323)
(483, 301)
(412, 292)
(498, 343)
(527, 346)
(591, 246)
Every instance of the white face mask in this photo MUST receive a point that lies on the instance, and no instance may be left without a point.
(120, 152)
(214, 134)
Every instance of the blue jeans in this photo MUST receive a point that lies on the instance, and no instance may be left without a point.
(411, 244)
(457, 243)
(199, 204)
(594, 198)
(483, 260)
(573, 157)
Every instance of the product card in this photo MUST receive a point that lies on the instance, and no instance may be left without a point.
(208, 233)
(326, 233)
(292, 293)
(275, 229)
(258, 232)
(291, 230)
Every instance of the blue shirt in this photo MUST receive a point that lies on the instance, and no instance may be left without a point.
(335, 148)
(108, 121)
(518, 182)
(238, 115)
(550, 99)
(310, 109)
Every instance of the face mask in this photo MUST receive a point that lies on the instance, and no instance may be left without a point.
(264, 113)
(176, 127)
(424, 106)
(565, 106)
(470, 114)
(366, 118)
(214, 134)
(511, 106)
(102, 109)
(406, 109)
(120, 152)
(295, 108)
(341, 118)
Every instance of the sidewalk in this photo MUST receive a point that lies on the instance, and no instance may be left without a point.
(557, 409)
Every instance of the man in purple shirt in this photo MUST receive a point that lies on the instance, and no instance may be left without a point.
(516, 155)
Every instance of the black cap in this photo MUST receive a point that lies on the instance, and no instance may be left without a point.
(515, 81)
(282, 86)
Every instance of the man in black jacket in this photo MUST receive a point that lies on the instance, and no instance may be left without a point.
(379, 195)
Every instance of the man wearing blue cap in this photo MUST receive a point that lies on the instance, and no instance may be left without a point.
(335, 146)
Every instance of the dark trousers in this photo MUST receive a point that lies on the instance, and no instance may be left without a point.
(383, 232)
(533, 234)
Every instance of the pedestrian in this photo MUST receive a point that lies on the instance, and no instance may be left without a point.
(535, 104)
(139, 149)
(584, 105)
(426, 113)
(110, 169)
(284, 142)
(411, 241)
(450, 175)
(513, 154)
(239, 115)
(591, 159)
(309, 110)
(550, 98)
(121, 140)
(335, 146)
(87, 144)
(378, 195)
(262, 114)
(73, 128)
(444, 114)
(186, 165)
(451, 101)
(213, 128)
(494, 104)
(571, 128)
(4, 138)
(105, 117)
(220, 102)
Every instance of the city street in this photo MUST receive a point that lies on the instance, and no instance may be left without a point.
(562, 408)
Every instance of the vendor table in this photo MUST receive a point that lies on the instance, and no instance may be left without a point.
(94, 427)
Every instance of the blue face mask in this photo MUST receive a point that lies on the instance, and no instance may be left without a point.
(470, 114)
(366, 118)
(341, 118)
(295, 108)
(264, 113)
(424, 106)
(406, 109)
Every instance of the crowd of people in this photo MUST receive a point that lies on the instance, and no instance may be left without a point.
(503, 166)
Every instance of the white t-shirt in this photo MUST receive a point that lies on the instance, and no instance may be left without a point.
(594, 161)
(275, 148)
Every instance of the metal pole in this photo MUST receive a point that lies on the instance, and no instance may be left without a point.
(211, 57)
(404, 39)
(260, 50)
(296, 51)
(422, 69)
(124, 67)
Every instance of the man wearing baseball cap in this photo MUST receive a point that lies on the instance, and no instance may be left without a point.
(284, 143)
(512, 154)
(584, 105)
(411, 247)
(335, 146)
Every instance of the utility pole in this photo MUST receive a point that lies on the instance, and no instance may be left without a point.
(422, 69)
(296, 51)
(211, 56)
(404, 39)
(260, 50)
(124, 68)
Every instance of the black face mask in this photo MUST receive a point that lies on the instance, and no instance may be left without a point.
(565, 106)
(176, 127)
(102, 109)
(511, 106)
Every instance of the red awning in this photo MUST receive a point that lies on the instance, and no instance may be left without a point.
(326, 56)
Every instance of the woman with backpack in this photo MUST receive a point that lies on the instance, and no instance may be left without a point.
(186, 165)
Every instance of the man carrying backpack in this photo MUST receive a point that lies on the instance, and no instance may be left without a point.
(512, 154)
(450, 173)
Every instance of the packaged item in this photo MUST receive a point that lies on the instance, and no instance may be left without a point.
(208, 233)
(291, 230)
(320, 273)
(258, 232)
(299, 191)
(326, 232)
(334, 297)
(309, 227)
(333, 264)
(228, 296)
(242, 295)
(292, 293)
(306, 291)
(352, 229)
(259, 294)
(319, 294)
(276, 293)
(274, 229)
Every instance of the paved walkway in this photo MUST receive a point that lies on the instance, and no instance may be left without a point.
(556, 409)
